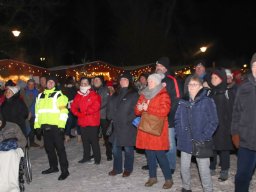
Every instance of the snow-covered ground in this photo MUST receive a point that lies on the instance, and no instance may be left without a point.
(94, 178)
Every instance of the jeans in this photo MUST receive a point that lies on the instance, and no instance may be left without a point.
(224, 160)
(171, 154)
(152, 157)
(246, 162)
(204, 171)
(118, 158)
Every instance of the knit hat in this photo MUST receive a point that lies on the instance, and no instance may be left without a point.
(164, 61)
(221, 74)
(253, 60)
(126, 75)
(200, 62)
(14, 89)
(53, 79)
(228, 73)
(236, 72)
(156, 77)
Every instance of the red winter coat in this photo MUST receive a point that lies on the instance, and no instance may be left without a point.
(160, 106)
(87, 108)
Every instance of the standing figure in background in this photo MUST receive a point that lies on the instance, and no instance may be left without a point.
(14, 109)
(102, 90)
(243, 129)
(121, 111)
(70, 91)
(155, 100)
(224, 100)
(86, 106)
(29, 95)
(195, 119)
(51, 117)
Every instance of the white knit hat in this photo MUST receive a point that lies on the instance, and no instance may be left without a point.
(228, 73)
(156, 77)
(14, 89)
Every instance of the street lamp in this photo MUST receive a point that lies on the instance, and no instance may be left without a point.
(16, 33)
(203, 49)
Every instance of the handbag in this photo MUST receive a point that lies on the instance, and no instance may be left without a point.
(151, 124)
(110, 128)
(202, 149)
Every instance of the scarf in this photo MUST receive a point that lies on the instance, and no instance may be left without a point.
(84, 89)
(150, 93)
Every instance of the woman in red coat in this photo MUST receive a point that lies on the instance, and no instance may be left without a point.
(86, 106)
(155, 101)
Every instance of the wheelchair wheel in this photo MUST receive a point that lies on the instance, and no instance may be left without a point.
(27, 167)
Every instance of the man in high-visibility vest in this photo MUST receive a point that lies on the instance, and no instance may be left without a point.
(51, 116)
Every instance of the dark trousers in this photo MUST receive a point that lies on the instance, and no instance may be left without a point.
(246, 163)
(32, 132)
(90, 139)
(54, 141)
(152, 157)
(71, 122)
(224, 160)
(104, 125)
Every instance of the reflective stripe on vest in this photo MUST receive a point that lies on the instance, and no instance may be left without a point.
(54, 109)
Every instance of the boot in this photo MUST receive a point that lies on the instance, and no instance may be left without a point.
(213, 172)
(50, 170)
(185, 190)
(144, 167)
(63, 175)
(67, 138)
(223, 175)
(168, 184)
(150, 182)
(79, 139)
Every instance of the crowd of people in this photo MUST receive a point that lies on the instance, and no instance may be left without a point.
(217, 106)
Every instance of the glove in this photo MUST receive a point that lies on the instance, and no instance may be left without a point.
(38, 134)
(236, 140)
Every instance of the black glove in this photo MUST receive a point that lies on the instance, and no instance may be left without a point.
(38, 134)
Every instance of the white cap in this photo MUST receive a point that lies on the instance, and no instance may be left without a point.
(228, 73)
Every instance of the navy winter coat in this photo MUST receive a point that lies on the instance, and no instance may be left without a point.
(200, 116)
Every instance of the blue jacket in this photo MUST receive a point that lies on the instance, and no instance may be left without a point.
(200, 116)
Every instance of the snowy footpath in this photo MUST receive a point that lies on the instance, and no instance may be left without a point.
(94, 178)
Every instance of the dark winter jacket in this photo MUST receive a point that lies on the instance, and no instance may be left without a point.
(15, 110)
(243, 118)
(200, 116)
(70, 91)
(104, 94)
(224, 100)
(29, 97)
(120, 109)
(174, 89)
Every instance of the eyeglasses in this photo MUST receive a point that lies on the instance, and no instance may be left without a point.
(193, 84)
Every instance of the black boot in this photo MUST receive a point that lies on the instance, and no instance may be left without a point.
(145, 167)
(50, 170)
(63, 175)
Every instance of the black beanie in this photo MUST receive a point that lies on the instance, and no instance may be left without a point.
(253, 59)
(126, 75)
(164, 61)
(53, 79)
(200, 62)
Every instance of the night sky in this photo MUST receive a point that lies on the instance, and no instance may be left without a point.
(128, 32)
